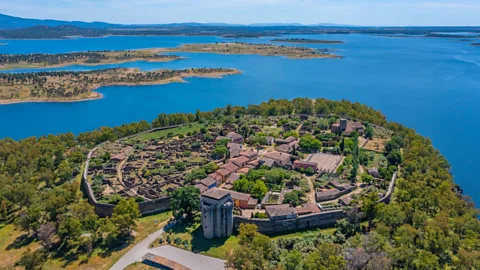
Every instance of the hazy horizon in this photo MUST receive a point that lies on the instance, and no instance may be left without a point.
(307, 12)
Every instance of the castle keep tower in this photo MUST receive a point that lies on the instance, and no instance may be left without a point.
(217, 213)
(343, 124)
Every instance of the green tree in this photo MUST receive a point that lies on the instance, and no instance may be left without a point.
(196, 174)
(293, 197)
(369, 132)
(327, 256)
(255, 250)
(65, 171)
(368, 206)
(185, 201)
(219, 152)
(69, 231)
(395, 157)
(33, 260)
(425, 260)
(310, 143)
(366, 178)
(211, 167)
(259, 189)
(124, 215)
(292, 260)
(390, 215)
(243, 185)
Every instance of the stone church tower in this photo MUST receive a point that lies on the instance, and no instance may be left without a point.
(217, 213)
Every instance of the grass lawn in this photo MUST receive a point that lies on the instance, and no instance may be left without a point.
(193, 234)
(163, 133)
(139, 266)
(219, 247)
(271, 130)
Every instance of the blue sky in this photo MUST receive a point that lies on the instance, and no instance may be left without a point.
(358, 12)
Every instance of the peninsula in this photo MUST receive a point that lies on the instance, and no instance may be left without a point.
(307, 41)
(13, 61)
(67, 86)
(251, 48)
(330, 177)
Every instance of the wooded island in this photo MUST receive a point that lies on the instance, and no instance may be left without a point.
(38, 60)
(307, 41)
(74, 86)
(251, 48)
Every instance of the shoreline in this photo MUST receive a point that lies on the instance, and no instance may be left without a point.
(318, 56)
(97, 95)
(165, 51)
(166, 60)
(308, 41)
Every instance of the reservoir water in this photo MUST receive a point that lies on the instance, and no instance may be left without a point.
(430, 84)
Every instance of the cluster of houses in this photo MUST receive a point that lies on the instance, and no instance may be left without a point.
(240, 162)
(126, 174)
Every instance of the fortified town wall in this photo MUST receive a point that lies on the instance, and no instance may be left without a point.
(312, 221)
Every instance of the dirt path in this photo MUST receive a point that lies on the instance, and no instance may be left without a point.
(311, 194)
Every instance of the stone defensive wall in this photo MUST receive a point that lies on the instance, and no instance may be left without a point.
(104, 209)
(391, 186)
(312, 221)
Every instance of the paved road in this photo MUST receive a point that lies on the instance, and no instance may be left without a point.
(136, 253)
(188, 259)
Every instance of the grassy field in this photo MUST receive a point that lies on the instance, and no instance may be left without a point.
(101, 259)
(14, 242)
(163, 133)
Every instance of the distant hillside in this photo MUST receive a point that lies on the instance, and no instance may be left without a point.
(49, 32)
(10, 22)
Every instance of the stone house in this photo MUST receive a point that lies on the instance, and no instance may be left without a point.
(281, 212)
(327, 194)
(235, 137)
(281, 159)
(298, 164)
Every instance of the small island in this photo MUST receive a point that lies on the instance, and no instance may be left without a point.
(38, 60)
(68, 86)
(91, 58)
(251, 48)
(307, 41)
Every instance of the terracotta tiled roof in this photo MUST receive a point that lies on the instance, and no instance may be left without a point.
(230, 167)
(208, 181)
(278, 156)
(240, 196)
(280, 210)
(164, 262)
(240, 160)
(223, 172)
(308, 208)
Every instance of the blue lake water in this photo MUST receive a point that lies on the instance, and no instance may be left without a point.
(432, 85)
